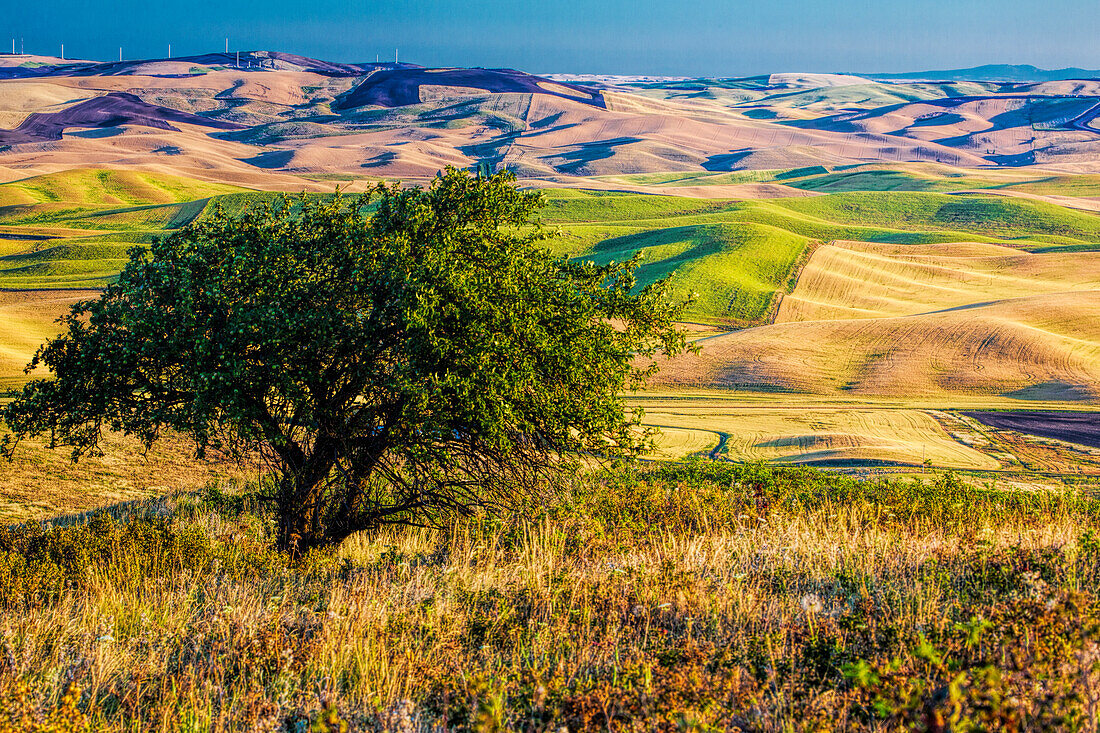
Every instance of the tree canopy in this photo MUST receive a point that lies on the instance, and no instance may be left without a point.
(397, 356)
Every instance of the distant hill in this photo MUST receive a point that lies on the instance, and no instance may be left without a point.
(270, 119)
(1022, 73)
(183, 66)
(109, 111)
(401, 87)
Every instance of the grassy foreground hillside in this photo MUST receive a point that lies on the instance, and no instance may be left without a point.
(698, 597)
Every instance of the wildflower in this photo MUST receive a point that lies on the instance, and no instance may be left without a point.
(401, 716)
(811, 603)
(1037, 587)
(106, 638)
(638, 610)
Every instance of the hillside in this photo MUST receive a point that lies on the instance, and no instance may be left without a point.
(274, 120)
(996, 72)
(73, 229)
(643, 598)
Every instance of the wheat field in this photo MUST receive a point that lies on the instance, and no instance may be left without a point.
(835, 436)
(873, 280)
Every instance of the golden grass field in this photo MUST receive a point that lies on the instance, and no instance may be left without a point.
(27, 319)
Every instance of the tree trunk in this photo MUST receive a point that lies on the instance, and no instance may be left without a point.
(309, 518)
(301, 506)
(295, 536)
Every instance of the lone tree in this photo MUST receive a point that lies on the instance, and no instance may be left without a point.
(399, 357)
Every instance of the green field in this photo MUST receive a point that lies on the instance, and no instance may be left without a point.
(73, 229)
(926, 177)
(737, 255)
(96, 188)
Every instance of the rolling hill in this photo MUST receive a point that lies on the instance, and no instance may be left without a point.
(866, 253)
(276, 120)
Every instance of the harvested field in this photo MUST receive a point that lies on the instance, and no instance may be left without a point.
(822, 436)
(1072, 427)
(846, 280)
(112, 110)
(1040, 347)
(27, 319)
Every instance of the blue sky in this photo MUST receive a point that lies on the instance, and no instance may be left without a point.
(684, 37)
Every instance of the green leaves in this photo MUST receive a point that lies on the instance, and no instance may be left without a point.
(396, 356)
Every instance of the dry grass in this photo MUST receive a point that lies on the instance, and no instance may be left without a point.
(41, 482)
(701, 598)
